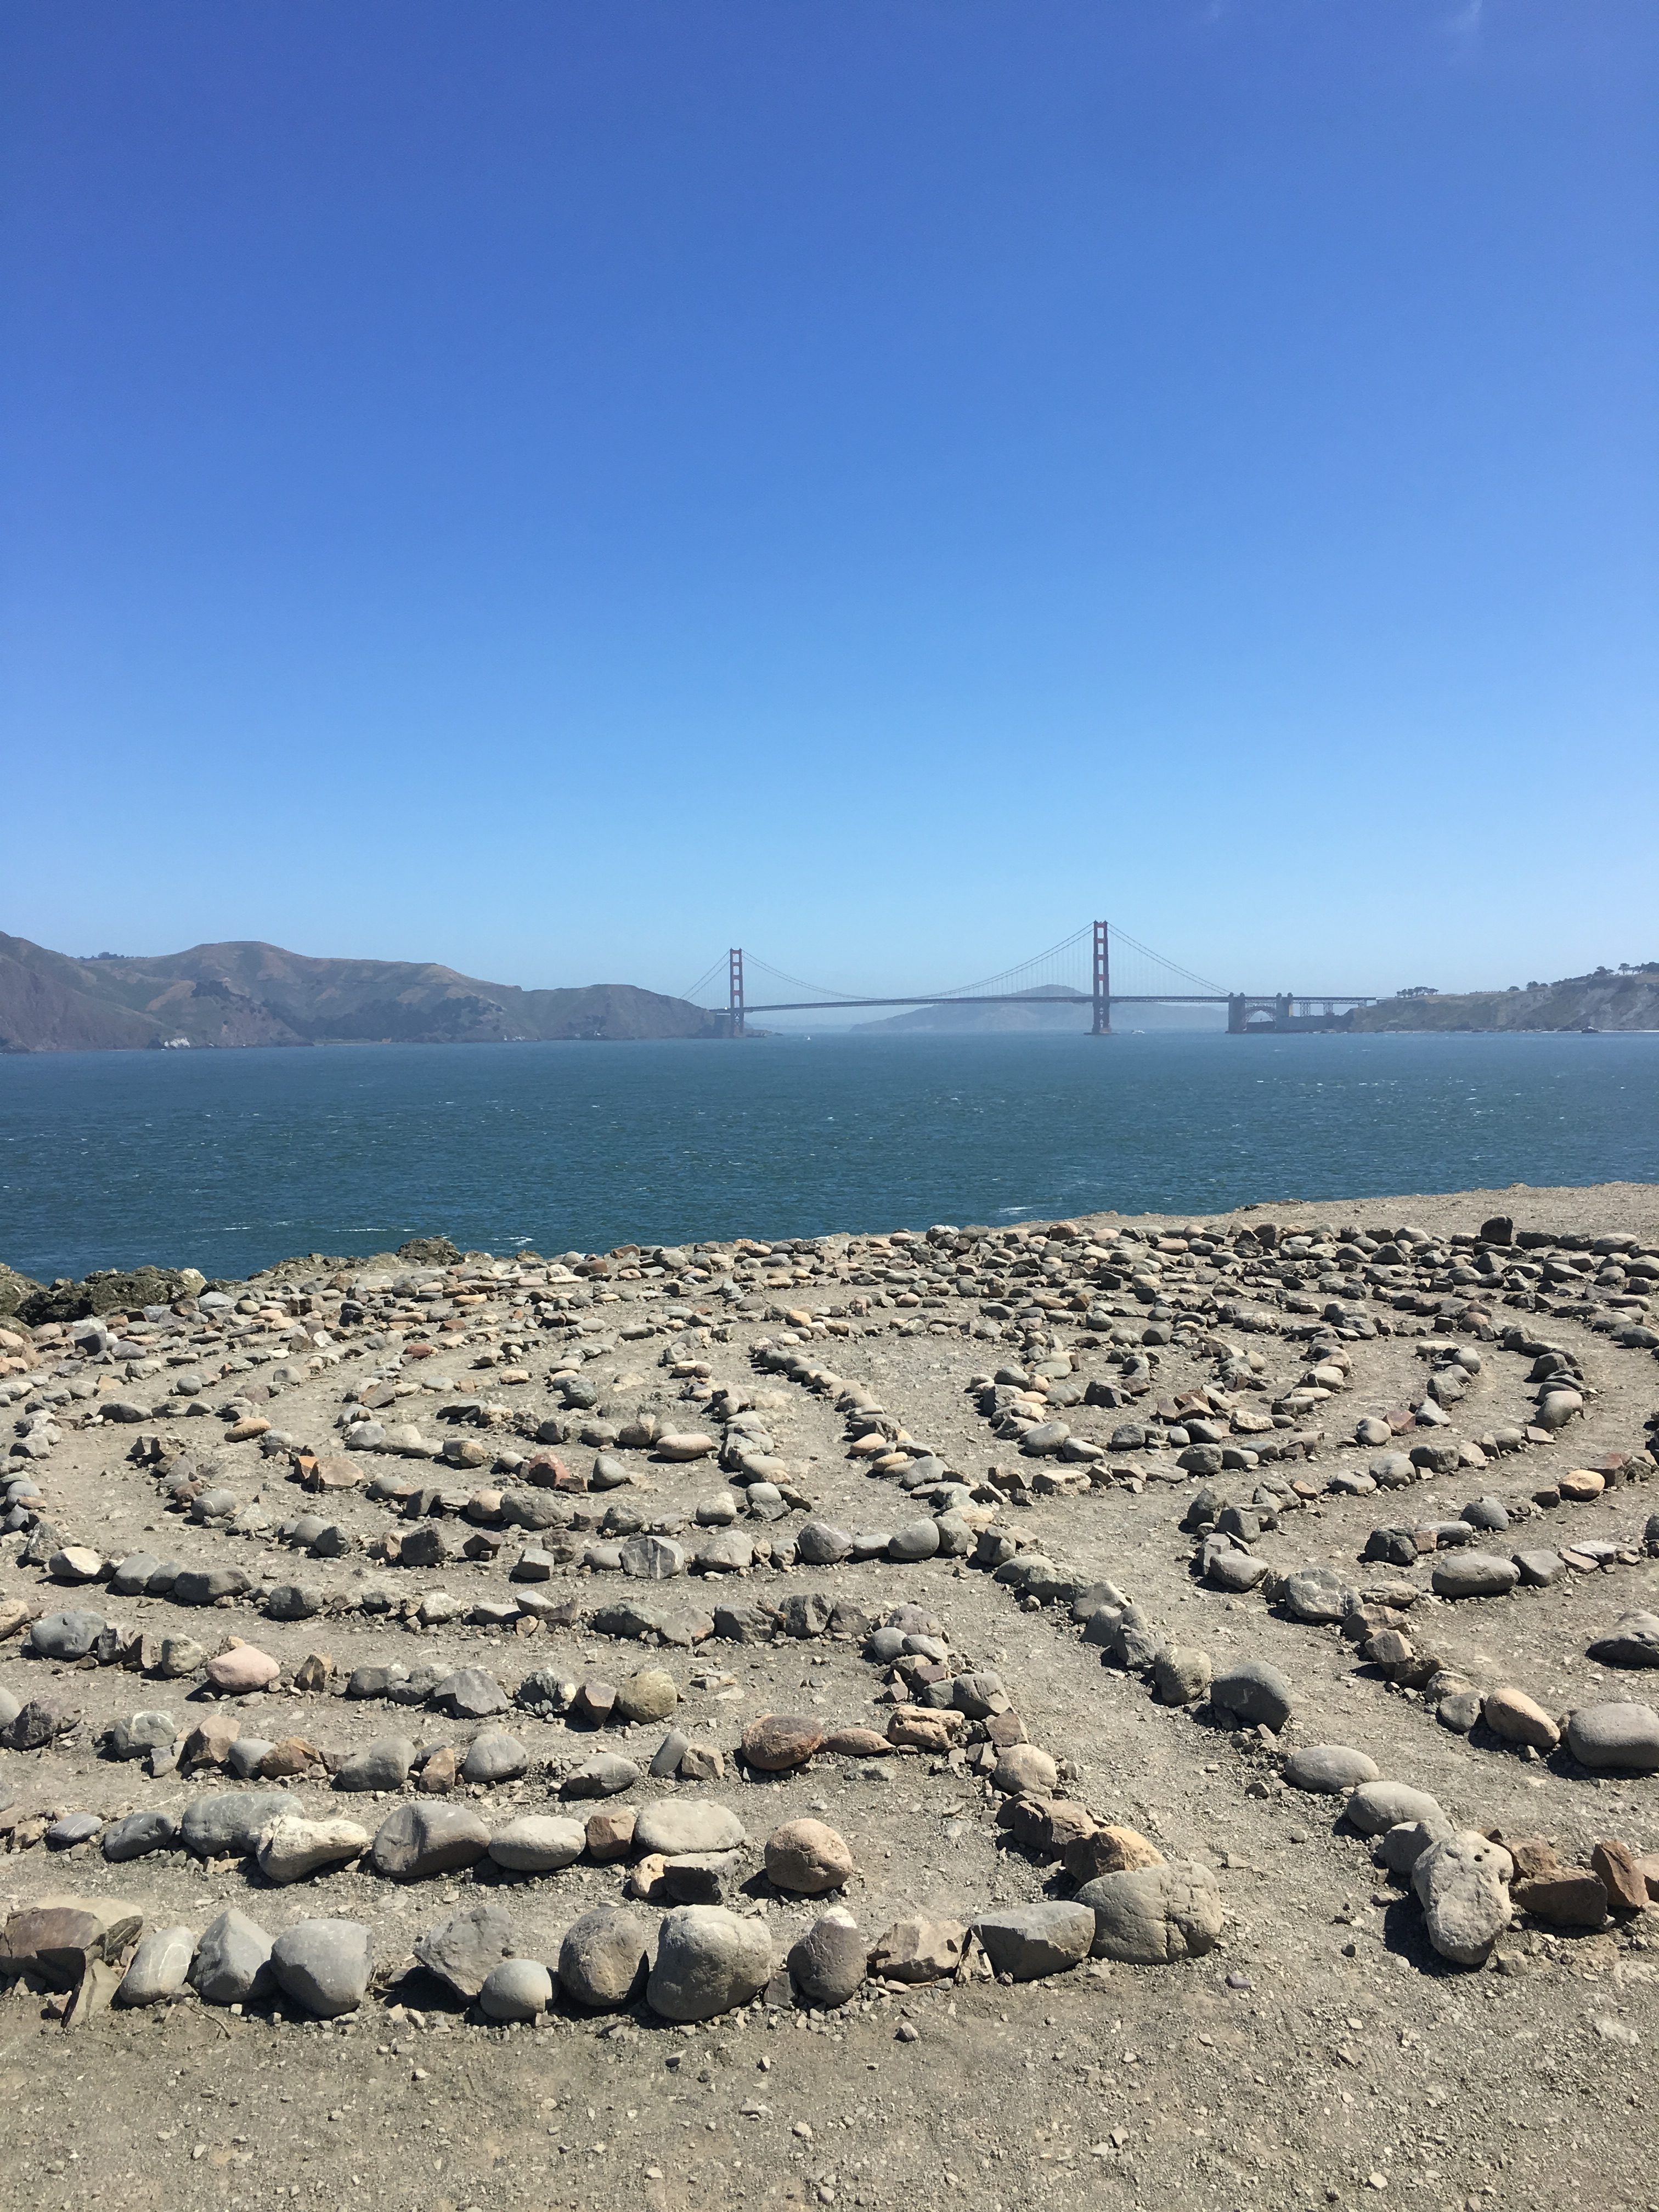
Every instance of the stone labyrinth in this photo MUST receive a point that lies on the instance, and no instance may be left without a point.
(661, 1633)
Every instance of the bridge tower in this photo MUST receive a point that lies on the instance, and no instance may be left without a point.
(1102, 981)
(734, 980)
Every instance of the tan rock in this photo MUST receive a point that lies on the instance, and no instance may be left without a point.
(1575, 1899)
(209, 1743)
(437, 1777)
(241, 1670)
(314, 1673)
(857, 1743)
(1109, 1851)
(59, 1936)
(919, 1948)
(647, 1879)
(921, 1728)
(1516, 1717)
(808, 1858)
(1622, 1877)
(777, 1742)
(1581, 1484)
(245, 1430)
(610, 1833)
(293, 1755)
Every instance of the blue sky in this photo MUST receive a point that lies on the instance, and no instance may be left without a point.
(560, 489)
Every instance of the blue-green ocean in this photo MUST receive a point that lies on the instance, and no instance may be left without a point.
(227, 1161)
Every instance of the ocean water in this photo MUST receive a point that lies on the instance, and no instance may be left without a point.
(228, 1161)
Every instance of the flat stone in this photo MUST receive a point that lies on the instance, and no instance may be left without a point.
(1461, 1884)
(920, 1948)
(675, 1825)
(538, 1842)
(160, 1967)
(1027, 1941)
(323, 1966)
(1570, 1898)
(1619, 1739)
(1633, 1641)
(1473, 1574)
(1328, 1767)
(233, 1960)
(606, 1775)
(519, 1989)
(1620, 1870)
(470, 1693)
(59, 1936)
(709, 1961)
(1155, 1915)
(206, 1586)
(602, 1959)
(423, 1838)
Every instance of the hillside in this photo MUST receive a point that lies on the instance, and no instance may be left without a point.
(242, 994)
(1611, 998)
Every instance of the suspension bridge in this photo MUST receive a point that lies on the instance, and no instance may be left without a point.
(1077, 971)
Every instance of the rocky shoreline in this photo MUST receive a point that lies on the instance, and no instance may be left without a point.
(812, 1645)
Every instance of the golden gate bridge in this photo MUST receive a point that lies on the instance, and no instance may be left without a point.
(1078, 970)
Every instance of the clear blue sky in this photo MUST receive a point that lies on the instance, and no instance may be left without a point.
(560, 489)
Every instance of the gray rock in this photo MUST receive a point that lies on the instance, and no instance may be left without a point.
(137, 1835)
(603, 1776)
(702, 1877)
(1375, 1806)
(1181, 1674)
(674, 1826)
(323, 1964)
(1633, 1641)
(1459, 1710)
(1616, 1739)
(665, 1762)
(470, 1693)
(160, 1967)
(244, 1755)
(1318, 1596)
(233, 1960)
(493, 1755)
(1027, 1941)
(827, 1965)
(602, 1960)
(1473, 1574)
(298, 1602)
(382, 1764)
(1327, 1768)
(1228, 1568)
(1540, 1569)
(519, 1989)
(130, 1579)
(1402, 1845)
(420, 1839)
(465, 1949)
(539, 1843)
(71, 1829)
(65, 1635)
(708, 1960)
(1254, 1692)
(1154, 1915)
(918, 1540)
(819, 1544)
(1461, 1883)
(206, 1586)
(143, 1732)
(654, 1559)
(226, 1824)
(179, 1655)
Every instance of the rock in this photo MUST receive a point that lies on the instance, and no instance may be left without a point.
(1023, 1771)
(610, 1833)
(807, 1857)
(1634, 1642)
(1459, 1710)
(493, 1756)
(209, 1743)
(919, 1948)
(1513, 1715)
(1473, 1574)
(827, 1964)
(1404, 1844)
(684, 1444)
(228, 1823)
(323, 1964)
(818, 1545)
(294, 1601)
(1538, 1569)
(1328, 1767)
(470, 1693)
(72, 1829)
(1109, 1850)
(666, 1759)
(674, 1826)
(1375, 1806)
(652, 1559)
(519, 1989)
(693, 1878)
(1568, 1898)
(649, 1695)
(1181, 1674)
(979, 1695)
(1255, 1693)
(382, 1764)
(606, 1775)
(248, 1755)
(1228, 1568)
(137, 1835)
(465, 1949)
(1317, 1595)
(59, 1937)
(422, 1838)
(778, 1742)
(1619, 1739)
(206, 1586)
(179, 1655)
(292, 1847)
(1620, 1872)
(1154, 1915)
(160, 1967)
(65, 1635)
(538, 1842)
(1462, 1884)
(242, 1669)
(143, 1732)
(602, 1960)
(233, 1960)
(74, 1564)
(708, 1960)
(919, 1540)
(1026, 1942)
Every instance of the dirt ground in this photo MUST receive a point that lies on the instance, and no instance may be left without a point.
(1323, 2053)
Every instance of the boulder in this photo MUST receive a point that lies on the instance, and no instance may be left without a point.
(649, 1695)
(1154, 1915)
(1327, 1768)
(1616, 1739)
(228, 1823)
(233, 1960)
(1254, 1692)
(920, 1948)
(1026, 1942)
(465, 1949)
(292, 1847)
(807, 1858)
(519, 1989)
(1375, 1806)
(602, 1959)
(1511, 1713)
(1473, 1574)
(708, 1960)
(827, 1965)
(160, 1968)
(382, 1764)
(323, 1966)
(422, 1839)
(674, 1826)
(60, 1937)
(538, 1842)
(137, 1835)
(778, 1742)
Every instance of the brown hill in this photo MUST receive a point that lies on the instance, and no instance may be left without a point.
(248, 993)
